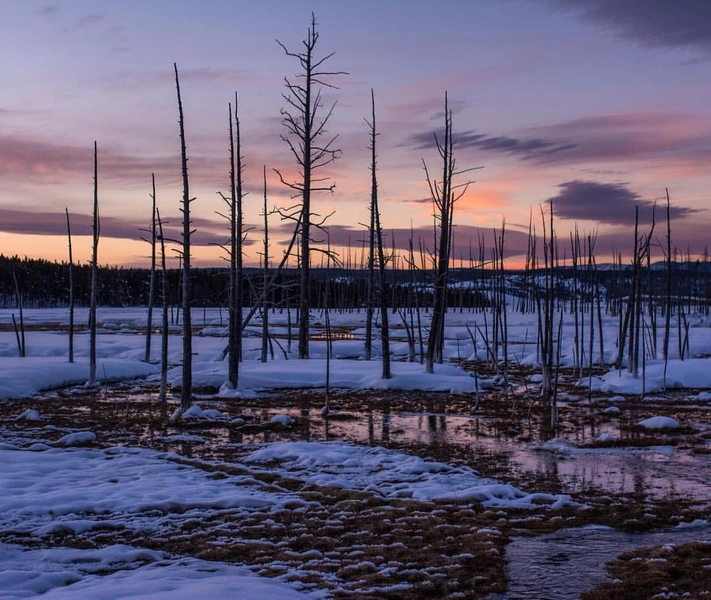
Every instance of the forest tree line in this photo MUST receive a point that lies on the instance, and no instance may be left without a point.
(44, 284)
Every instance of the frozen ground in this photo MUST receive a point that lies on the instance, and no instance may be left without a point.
(78, 513)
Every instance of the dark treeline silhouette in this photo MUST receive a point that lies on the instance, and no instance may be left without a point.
(45, 284)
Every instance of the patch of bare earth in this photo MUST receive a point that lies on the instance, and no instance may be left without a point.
(673, 571)
(358, 544)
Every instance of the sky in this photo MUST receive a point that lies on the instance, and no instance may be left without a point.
(599, 105)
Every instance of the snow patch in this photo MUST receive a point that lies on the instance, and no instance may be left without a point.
(29, 415)
(394, 474)
(80, 438)
(659, 423)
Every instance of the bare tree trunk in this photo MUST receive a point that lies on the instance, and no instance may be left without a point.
(162, 394)
(592, 281)
(19, 331)
(151, 287)
(71, 289)
(239, 235)
(235, 251)
(667, 303)
(601, 340)
(577, 343)
(632, 354)
(301, 123)
(187, 387)
(370, 304)
(94, 277)
(325, 409)
(377, 228)
(443, 198)
(265, 291)
(546, 312)
(503, 309)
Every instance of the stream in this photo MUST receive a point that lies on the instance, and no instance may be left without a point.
(561, 565)
(652, 471)
(568, 562)
(554, 566)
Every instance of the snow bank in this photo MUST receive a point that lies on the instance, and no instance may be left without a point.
(70, 574)
(23, 377)
(311, 373)
(64, 483)
(393, 474)
(690, 373)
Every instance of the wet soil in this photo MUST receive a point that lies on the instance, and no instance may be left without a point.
(358, 545)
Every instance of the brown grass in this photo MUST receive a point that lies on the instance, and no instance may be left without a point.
(357, 541)
(682, 571)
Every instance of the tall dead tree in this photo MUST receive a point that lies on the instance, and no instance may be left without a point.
(235, 218)
(376, 241)
(94, 275)
(668, 292)
(71, 289)
(632, 324)
(313, 150)
(545, 309)
(370, 286)
(187, 387)
(162, 394)
(444, 195)
(265, 275)
(152, 284)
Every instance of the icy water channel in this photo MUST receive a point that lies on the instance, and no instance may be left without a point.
(653, 471)
(564, 564)
(554, 566)
(570, 561)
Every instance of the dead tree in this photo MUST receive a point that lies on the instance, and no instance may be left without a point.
(370, 287)
(545, 307)
(305, 130)
(632, 325)
(265, 273)
(274, 275)
(187, 387)
(19, 330)
(235, 218)
(151, 285)
(668, 293)
(94, 276)
(162, 394)
(444, 195)
(376, 240)
(500, 308)
(71, 289)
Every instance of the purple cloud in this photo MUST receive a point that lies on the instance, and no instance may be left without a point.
(601, 138)
(50, 162)
(50, 12)
(608, 203)
(209, 232)
(90, 19)
(651, 23)
(530, 148)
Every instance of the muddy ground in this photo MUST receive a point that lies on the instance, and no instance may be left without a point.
(359, 545)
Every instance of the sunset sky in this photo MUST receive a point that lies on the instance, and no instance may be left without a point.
(598, 104)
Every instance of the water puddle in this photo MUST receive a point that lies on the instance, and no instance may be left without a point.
(654, 471)
(570, 561)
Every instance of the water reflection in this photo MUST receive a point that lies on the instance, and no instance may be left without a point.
(566, 563)
(655, 471)
(535, 448)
